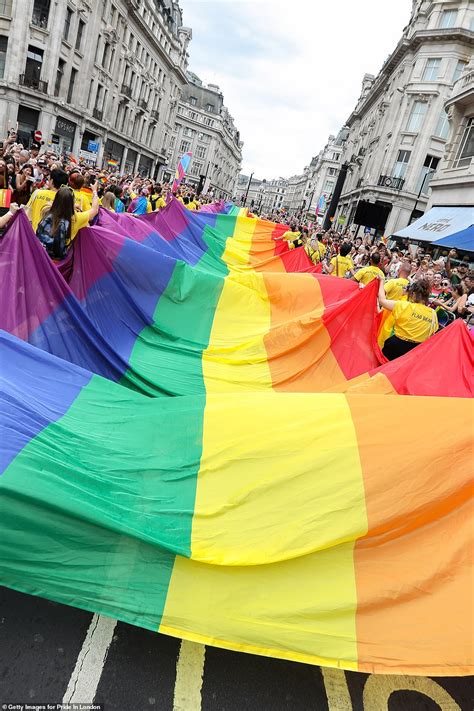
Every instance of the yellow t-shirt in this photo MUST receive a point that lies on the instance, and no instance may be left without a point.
(159, 203)
(291, 236)
(86, 198)
(80, 202)
(341, 265)
(368, 274)
(39, 201)
(316, 252)
(79, 220)
(191, 205)
(180, 199)
(414, 322)
(395, 289)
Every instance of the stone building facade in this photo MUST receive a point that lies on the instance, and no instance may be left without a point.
(99, 79)
(324, 169)
(453, 184)
(204, 126)
(397, 133)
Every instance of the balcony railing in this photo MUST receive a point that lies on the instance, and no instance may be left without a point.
(97, 114)
(126, 90)
(34, 83)
(388, 181)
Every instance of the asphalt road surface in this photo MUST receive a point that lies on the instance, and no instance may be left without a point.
(53, 654)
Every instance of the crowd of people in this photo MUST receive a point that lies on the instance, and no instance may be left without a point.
(60, 196)
(422, 292)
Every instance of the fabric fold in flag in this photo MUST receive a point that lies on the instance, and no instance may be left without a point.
(194, 311)
(108, 505)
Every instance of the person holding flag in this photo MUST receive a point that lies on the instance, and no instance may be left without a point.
(181, 170)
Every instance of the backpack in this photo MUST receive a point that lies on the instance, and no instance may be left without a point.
(55, 244)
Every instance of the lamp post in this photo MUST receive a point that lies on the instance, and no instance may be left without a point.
(247, 191)
(429, 172)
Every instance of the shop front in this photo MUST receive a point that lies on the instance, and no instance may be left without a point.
(113, 154)
(145, 166)
(63, 135)
(28, 120)
(130, 161)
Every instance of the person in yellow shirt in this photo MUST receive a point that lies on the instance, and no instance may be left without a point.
(60, 224)
(156, 199)
(41, 200)
(395, 289)
(81, 200)
(367, 274)
(292, 237)
(342, 264)
(414, 320)
(314, 249)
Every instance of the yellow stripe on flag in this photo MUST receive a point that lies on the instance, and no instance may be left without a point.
(263, 489)
(236, 358)
(278, 532)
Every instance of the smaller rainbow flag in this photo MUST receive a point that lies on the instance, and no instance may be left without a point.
(321, 204)
(112, 162)
(5, 198)
(181, 170)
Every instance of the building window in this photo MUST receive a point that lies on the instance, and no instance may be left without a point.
(181, 110)
(400, 167)
(59, 77)
(72, 82)
(99, 97)
(417, 116)
(193, 115)
(105, 55)
(431, 70)
(201, 151)
(427, 172)
(210, 108)
(448, 18)
(204, 137)
(193, 101)
(466, 147)
(332, 171)
(34, 62)
(40, 13)
(3, 54)
(188, 132)
(67, 23)
(209, 122)
(442, 127)
(328, 187)
(80, 33)
(184, 146)
(197, 168)
(459, 70)
(6, 8)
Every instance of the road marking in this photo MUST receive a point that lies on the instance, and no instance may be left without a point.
(378, 689)
(189, 676)
(85, 678)
(337, 691)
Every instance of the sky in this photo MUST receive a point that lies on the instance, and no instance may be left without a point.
(290, 70)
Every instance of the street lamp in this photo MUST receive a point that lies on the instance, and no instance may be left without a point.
(429, 172)
(247, 191)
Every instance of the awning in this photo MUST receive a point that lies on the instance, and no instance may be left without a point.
(451, 227)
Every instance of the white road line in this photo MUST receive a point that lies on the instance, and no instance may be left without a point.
(189, 674)
(85, 678)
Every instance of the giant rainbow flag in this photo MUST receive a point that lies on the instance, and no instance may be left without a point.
(200, 436)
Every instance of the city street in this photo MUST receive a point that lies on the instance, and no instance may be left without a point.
(53, 653)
